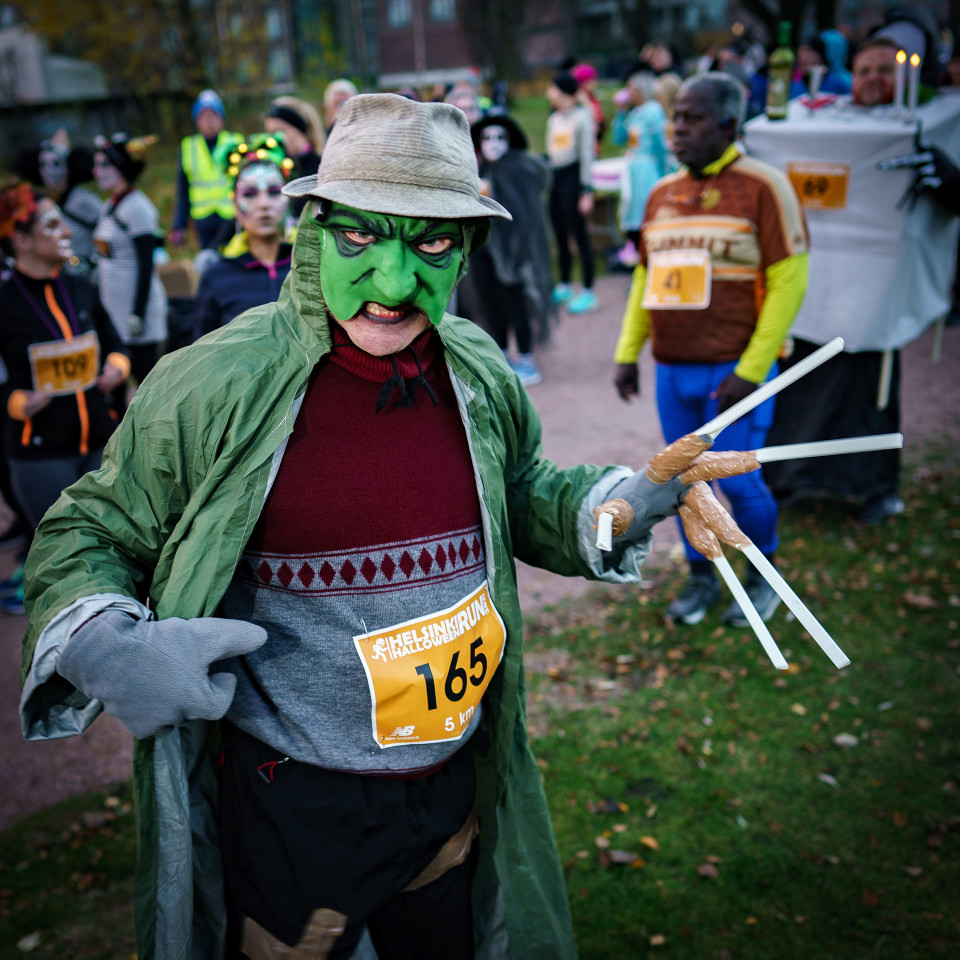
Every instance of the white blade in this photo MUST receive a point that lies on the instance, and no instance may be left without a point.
(796, 605)
(750, 612)
(605, 531)
(710, 430)
(829, 448)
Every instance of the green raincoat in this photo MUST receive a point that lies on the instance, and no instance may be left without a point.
(159, 529)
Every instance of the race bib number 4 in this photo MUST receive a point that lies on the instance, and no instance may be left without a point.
(62, 367)
(427, 676)
(677, 280)
(820, 186)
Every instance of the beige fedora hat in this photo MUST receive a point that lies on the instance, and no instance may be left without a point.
(388, 154)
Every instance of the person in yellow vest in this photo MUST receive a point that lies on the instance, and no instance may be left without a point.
(203, 191)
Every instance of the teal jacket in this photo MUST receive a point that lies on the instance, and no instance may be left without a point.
(159, 529)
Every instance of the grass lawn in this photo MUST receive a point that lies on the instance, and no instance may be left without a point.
(705, 804)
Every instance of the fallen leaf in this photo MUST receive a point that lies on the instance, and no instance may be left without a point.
(913, 871)
(920, 601)
(621, 856)
(708, 870)
(869, 898)
(602, 842)
(846, 740)
(924, 724)
(799, 709)
(683, 745)
(650, 842)
(30, 942)
(657, 940)
(899, 819)
(94, 821)
(827, 779)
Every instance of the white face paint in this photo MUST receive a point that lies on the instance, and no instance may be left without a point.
(50, 235)
(494, 143)
(106, 174)
(53, 169)
(52, 225)
(261, 206)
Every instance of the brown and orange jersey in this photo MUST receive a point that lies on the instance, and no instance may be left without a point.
(746, 215)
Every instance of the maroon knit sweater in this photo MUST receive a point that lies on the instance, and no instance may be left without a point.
(352, 477)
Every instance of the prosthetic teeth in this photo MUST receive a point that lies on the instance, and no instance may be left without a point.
(379, 310)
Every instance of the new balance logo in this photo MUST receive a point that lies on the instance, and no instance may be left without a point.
(404, 731)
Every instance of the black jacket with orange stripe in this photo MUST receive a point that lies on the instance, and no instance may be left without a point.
(61, 427)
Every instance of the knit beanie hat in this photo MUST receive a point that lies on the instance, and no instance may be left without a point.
(584, 73)
(566, 82)
(208, 100)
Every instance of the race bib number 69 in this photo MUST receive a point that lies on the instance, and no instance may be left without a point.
(427, 676)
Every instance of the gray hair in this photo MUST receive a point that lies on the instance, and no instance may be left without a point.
(644, 83)
(728, 96)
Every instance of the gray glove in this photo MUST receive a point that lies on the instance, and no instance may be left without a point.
(651, 502)
(151, 674)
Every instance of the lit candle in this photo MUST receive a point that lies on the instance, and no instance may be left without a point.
(913, 87)
(898, 79)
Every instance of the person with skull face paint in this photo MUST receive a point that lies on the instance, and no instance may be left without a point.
(62, 355)
(510, 275)
(324, 498)
(256, 261)
(62, 170)
(126, 238)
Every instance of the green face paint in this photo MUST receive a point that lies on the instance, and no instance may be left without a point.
(386, 278)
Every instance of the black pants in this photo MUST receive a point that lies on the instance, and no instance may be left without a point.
(296, 839)
(503, 307)
(567, 220)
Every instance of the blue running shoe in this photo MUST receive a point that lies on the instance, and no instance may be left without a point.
(584, 302)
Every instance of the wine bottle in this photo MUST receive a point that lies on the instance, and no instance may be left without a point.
(780, 75)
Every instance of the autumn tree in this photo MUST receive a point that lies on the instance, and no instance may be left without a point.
(141, 47)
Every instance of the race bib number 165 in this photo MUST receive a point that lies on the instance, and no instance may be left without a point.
(427, 676)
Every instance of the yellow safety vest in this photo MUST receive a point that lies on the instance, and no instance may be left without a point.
(209, 186)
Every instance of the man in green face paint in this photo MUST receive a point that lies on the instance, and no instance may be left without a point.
(386, 279)
(293, 581)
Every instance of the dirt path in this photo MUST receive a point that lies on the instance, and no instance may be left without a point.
(583, 421)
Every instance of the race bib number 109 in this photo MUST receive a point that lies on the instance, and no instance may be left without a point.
(427, 676)
(62, 367)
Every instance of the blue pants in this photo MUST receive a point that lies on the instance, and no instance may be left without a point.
(684, 404)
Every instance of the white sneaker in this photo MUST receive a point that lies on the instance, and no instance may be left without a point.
(525, 368)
